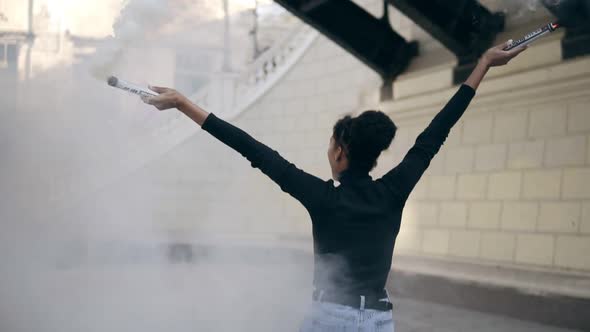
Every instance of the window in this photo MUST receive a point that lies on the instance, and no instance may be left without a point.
(11, 53)
(8, 53)
(2, 53)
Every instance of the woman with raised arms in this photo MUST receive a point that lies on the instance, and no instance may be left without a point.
(356, 223)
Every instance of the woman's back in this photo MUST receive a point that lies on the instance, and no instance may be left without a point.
(354, 235)
(354, 224)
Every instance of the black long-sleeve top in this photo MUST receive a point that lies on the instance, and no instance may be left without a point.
(356, 223)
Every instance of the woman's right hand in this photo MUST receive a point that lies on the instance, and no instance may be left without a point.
(496, 56)
(167, 98)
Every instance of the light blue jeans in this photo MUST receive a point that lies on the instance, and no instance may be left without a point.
(331, 317)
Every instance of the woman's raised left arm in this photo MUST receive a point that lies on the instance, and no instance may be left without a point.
(311, 191)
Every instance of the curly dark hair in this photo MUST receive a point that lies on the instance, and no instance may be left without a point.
(364, 137)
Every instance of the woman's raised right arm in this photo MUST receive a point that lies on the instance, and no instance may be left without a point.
(402, 179)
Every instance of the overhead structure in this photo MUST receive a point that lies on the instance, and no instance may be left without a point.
(372, 40)
(575, 16)
(465, 27)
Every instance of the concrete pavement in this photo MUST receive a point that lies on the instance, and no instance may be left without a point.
(418, 316)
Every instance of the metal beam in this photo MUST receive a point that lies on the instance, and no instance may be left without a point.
(465, 27)
(370, 39)
(575, 16)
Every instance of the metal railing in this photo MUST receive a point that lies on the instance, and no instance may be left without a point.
(230, 94)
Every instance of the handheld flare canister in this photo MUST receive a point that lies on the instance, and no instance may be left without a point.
(547, 29)
(130, 87)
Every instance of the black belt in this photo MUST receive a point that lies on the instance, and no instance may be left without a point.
(356, 301)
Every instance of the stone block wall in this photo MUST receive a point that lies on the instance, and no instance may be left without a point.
(511, 185)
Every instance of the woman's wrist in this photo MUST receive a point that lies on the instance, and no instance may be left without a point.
(478, 73)
(484, 61)
(191, 110)
(183, 104)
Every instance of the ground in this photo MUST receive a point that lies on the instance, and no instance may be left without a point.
(418, 316)
(218, 294)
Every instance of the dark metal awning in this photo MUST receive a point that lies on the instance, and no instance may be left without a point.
(465, 27)
(370, 39)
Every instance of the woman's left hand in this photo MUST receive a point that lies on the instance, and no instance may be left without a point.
(166, 99)
(497, 56)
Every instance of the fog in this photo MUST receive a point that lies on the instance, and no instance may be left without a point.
(78, 245)
(79, 251)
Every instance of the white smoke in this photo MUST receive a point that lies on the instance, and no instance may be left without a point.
(141, 18)
(520, 11)
(82, 245)
(139, 22)
(163, 23)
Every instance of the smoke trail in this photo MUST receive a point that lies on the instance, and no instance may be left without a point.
(137, 23)
(570, 13)
(78, 259)
(520, 10)
(140, 19)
